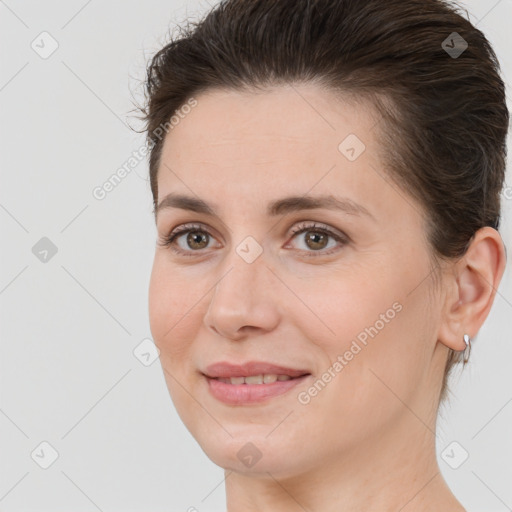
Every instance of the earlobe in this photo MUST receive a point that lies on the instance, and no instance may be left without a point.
(476, 277)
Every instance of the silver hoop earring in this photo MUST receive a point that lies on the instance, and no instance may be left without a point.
(467, 348)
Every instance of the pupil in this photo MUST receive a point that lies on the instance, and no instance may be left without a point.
(196, 238)
(314, 238)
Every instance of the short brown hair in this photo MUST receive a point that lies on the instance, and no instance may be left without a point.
(443, 105)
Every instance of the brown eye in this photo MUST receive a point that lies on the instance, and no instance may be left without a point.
(188, 240)
(197, 240)
(316, 240)
(191, 240)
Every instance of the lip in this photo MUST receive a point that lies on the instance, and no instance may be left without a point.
(245, 394)
(226, 370)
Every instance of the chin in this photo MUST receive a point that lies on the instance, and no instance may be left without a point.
(251, 451)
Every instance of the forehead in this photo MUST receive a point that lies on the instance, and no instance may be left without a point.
(286, 134)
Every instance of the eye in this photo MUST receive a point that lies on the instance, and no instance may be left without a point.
(317, 238)
(198, 238)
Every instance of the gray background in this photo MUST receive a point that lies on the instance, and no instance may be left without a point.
(70, 325)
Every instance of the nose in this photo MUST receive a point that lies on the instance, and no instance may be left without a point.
(242, 301)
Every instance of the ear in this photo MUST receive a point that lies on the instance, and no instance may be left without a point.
(472, 287)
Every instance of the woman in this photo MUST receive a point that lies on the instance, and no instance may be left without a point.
(326, 177)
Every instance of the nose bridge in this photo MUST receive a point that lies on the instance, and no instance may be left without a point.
(244, 267)
(240, 295)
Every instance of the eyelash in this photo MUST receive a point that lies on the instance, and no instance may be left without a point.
(170, 240)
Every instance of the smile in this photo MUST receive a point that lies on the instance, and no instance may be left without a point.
(253, 389)
(269, 378)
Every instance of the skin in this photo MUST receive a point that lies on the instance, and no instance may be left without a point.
(366, 441)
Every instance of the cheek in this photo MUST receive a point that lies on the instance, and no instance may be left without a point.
(368, 319)
(363, 386)
(384, 349)
(173, 310)
(340, 307)
(174, 314)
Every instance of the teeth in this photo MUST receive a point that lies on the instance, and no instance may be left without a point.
(255, 379)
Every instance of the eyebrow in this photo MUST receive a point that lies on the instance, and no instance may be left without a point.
(274, 208)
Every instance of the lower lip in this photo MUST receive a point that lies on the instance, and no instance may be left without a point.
(239, 394)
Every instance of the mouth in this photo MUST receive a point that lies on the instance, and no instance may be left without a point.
(252, 382)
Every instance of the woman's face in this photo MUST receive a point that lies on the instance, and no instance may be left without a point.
(336, 296)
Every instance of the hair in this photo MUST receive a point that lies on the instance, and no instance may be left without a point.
(444, 115)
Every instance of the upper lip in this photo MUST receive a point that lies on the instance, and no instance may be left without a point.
(225, 370)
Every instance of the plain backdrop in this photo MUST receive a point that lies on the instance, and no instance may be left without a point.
(78, 394)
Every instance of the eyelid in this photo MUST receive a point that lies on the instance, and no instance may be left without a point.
(180, 230)
(320, 226)
(340, 237)
(191, 226)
